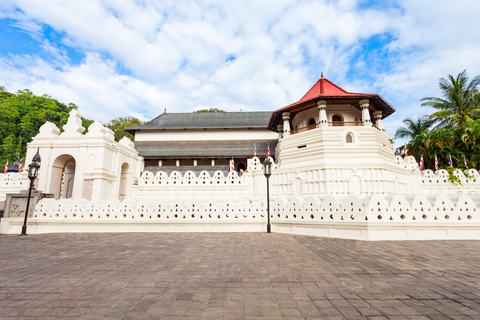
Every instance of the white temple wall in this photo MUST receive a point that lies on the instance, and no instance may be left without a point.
(94, 160)
(210, 134)
(321, 162)
(12, 183)
(376, 217)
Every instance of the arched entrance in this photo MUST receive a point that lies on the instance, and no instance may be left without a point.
(124, 181)
(62, 178)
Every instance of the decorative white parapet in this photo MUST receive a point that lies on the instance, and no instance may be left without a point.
(189, 185)
(438, 182)
(12, 183)
(375, 217)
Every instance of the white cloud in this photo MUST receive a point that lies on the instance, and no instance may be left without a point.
(142, 57)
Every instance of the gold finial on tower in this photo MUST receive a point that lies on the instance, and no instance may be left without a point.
(321, 76)
(165, 110)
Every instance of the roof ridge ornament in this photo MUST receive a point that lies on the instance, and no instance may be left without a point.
(321, 75)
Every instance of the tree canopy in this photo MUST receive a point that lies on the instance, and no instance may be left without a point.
(210, 110)
(22, 115)
(118, 126)
(453, 130)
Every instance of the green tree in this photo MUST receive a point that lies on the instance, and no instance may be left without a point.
(413, 128)
(210, 110)
(118, 126)
(460, 102)
(22, 115)
(470, 137)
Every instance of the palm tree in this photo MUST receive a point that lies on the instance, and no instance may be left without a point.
(416, 131)
(414, 128)
(471, 136)
(460, 102)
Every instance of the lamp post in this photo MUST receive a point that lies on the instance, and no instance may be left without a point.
(32, 175)
(267, 171)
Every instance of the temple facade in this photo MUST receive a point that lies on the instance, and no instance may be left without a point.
(334, 174)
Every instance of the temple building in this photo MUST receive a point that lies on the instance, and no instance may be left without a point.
(332, 173)
(203, 140)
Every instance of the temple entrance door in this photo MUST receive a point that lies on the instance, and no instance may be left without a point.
(63, 177)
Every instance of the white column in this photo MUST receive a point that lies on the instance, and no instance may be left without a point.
(322, 113)
(195, 162)
(280, 131)
(213, 162)
(377, 115)
(177, 162)
(160, 163)
(286, 123)
(365, 113)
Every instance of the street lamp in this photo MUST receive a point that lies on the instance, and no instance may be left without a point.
(32, 175)
(267, 171)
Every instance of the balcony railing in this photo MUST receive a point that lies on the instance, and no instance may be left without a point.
(310, 127)
(345, 124)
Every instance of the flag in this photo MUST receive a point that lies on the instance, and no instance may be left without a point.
(450, 163)
(465, 162)
(254, 150)
(20, 166)
(6, 167)
(392, 147)
(421, 162)
(405, 151)
(232, 165)
(436, 163)
(268, 149)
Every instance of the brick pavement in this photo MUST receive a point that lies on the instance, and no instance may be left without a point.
(235, 276)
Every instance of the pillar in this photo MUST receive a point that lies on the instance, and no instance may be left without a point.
(286, 123)
(213, 162)
(177, 162)
(195, 162)
(322, 113)
(280, 131)
(377, 115)
(365, 113)
(160, 162)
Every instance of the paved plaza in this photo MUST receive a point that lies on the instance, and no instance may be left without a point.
(235, 276)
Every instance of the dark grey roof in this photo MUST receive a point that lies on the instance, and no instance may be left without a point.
(197, 169)
(210, 120)
(203, 149)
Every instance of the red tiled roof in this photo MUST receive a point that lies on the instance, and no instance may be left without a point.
(325, 89)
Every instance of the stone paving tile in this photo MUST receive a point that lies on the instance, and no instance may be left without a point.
(235, 276)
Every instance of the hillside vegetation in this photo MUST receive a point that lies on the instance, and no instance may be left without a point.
(23, 113)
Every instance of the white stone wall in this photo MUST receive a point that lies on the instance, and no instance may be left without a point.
(95, 164)
(437, 182)
(201, 134)
(12, 183)
(190, 185)
(376, 217)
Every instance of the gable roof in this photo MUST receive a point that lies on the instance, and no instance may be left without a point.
(206, 120)
(324, 89)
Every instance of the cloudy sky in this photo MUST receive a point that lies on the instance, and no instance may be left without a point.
(134, 58)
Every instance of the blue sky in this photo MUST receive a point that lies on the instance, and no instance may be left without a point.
(134, 58)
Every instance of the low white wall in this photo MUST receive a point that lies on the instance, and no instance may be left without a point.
(190, 185)
(12, 183)
(437, 182)
(393, 217)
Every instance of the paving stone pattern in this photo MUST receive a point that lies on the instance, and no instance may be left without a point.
(235, 276)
